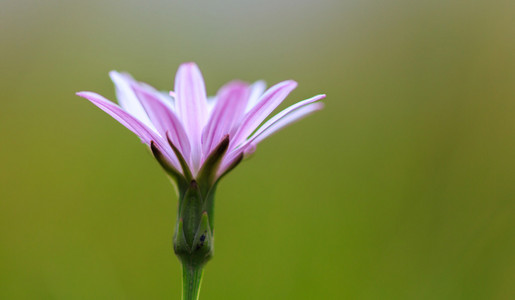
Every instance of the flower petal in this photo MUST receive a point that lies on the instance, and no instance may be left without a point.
(191, 106)
(230, 105)
(211, 101)
(146, 134)
(268, 102)
(163, 96)
(256, 91)
(127, 99)
(286, 117)
(289, 119)
(279, 121)
(164, 119)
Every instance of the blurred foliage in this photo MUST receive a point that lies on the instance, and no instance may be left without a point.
(402, 188)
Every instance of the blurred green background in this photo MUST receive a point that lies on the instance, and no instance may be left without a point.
(402, 188)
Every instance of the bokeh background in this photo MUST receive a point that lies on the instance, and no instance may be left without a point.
(402, 188)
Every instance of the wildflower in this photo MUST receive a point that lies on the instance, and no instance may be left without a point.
(198, 140)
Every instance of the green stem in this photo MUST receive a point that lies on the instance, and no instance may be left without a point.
(191, 280)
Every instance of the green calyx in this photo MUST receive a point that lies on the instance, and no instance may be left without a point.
(193, 239)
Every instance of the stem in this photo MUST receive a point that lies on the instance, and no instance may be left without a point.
(193, 238)
(191, 280)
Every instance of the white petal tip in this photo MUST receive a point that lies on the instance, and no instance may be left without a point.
(291, 82)
(115, 75)
(190, 65)
(84, 94)
(318, 106)
(318, 97)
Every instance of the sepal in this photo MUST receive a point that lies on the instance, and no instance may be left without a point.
(207, 174)
(193, 239)
(161, 159)
(180, 245)
(184, 165)
(190, 210)
(203, 242)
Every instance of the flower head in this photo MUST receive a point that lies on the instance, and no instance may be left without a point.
(197, 140)
(195, 136)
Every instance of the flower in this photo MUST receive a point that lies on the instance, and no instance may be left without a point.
(197, 140)
(185, 127)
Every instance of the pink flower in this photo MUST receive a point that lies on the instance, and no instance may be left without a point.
(185, 127)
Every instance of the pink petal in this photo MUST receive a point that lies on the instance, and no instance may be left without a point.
(164, 119)
(256, 91)
(268, 102)
(164, 97)
(191, 106)
(230, 105)
(127, 99)
(151, 105)
(279, 121)
(286, 117)
(289, 119)
(145, 133)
